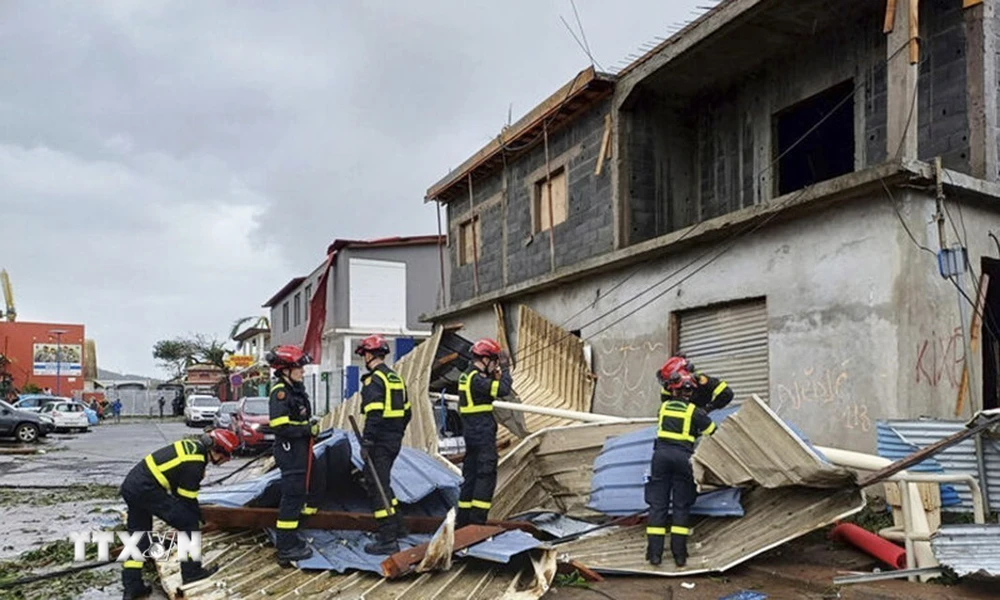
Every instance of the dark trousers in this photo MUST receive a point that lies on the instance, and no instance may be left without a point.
(292, 457)
(383, 454)
(479, 480)
(670, 475)
(146, 499)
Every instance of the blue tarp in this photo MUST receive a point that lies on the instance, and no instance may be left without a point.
(621, 469)
(892, 446)
(422, 485)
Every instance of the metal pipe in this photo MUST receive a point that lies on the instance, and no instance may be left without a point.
(574, 415)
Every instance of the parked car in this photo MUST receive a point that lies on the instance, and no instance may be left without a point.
(224, 418)
(200, 409)
(23, 425)
(33, 402)
(66, 414)
(251, 422)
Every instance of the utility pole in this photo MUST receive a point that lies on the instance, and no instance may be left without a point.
(58, 333)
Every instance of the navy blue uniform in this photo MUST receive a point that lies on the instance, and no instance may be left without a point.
(387, 413)
(290, 412)
(477, 390)
(712, 393)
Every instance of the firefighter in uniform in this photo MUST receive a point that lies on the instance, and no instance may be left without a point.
(165, 484)
(387, 413)
(478, 387)
(293, 427)
(711, 393)
(680, 423)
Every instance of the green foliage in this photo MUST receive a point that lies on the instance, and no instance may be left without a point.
(573, 579)
(31, 388)
(177, 354)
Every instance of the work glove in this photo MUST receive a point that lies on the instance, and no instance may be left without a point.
(314, 426)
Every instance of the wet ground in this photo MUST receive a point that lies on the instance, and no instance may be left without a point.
(70, 483)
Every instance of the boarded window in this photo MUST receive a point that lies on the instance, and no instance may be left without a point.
(470, 241)
(729, 342)
(554, 193)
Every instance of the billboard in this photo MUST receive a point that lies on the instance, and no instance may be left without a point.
(46, 363)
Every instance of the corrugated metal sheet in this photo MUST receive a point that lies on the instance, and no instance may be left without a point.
(754, 446)
(551, 470)
(551, 371)
(342, 551)
(415, 369)
(794, 492)
(503, 547)
(250, 571)
(892, 446)
(960, 458)
(729, 342)
(968, 549)
(621, 470)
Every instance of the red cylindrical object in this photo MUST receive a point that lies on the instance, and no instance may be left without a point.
(871, 544)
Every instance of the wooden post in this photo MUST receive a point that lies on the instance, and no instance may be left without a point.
(475, 239)
(444, 292)
(548, 189)
(914, 32)
(890, 16)
(975, 327)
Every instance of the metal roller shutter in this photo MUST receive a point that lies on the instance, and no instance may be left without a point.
(729, 342)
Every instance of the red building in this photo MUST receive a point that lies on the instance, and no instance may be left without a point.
(32, 349)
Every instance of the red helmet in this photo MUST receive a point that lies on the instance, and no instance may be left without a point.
(374, 344)
(681, 381)
(223, 440)
(283, 357)
(486, 348)
(674, 365)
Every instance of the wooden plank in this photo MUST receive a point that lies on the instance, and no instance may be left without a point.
(914, 32)
(975, 330)
(971, 3)
(922, 455)
(605, 143)
(890, 16)
(405, 561)
(263, 518)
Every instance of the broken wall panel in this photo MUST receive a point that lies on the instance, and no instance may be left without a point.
(415, 369)
(551, 371)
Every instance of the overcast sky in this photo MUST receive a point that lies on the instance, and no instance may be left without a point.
(165, 166)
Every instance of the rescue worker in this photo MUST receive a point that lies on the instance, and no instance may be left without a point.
(488, 379)
(165, 484)
(293, 427)
(387, 413)
(711, 393)
(680, 424)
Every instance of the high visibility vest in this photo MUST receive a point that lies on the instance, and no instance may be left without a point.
(162, 462)
(395, 404)
(468, 404)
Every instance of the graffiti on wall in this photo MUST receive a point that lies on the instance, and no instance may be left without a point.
(625, 370)
(824, 389)
(940, 359)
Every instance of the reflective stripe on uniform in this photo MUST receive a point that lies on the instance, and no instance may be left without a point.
(393, 384)
(132, 564)
(287, 524)
(186, 452)
(374, 406)
(719, 389)
(465, 390)
(309, 510)
(277, 387)
(464, 504)
(494, 388)
(710, 429)
(285, 420)
(395, 502)
(383, 513)
(481, 504)
(656, 531)
(685, 433)
(187, 493)
(677, 530)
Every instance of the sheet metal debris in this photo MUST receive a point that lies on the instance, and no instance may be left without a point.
(968, 549)
(502, 547)
(622, 469)
(892, 445)
(807, 493)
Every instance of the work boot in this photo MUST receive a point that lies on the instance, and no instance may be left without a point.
(462, 519)
(136, 590)
(295, 553)
(382, 547)
(400, 528)
(192, 571)
(680, 560)
(654, 550)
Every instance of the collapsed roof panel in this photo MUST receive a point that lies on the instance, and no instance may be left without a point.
(551, 371)
(968, 549)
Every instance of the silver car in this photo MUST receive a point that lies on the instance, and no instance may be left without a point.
(224, 418)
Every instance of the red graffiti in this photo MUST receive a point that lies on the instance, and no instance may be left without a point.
(941, 358)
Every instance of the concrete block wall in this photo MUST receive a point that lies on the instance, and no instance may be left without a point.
(504, 201)
(942, 102)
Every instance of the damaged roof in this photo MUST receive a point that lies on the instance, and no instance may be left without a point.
(968, 549)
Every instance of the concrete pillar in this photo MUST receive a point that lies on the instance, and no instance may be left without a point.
(901, 131)
(981, 69)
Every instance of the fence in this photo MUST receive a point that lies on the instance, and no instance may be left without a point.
(142, 403)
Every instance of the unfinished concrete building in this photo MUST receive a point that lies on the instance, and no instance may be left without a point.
(760, 192)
